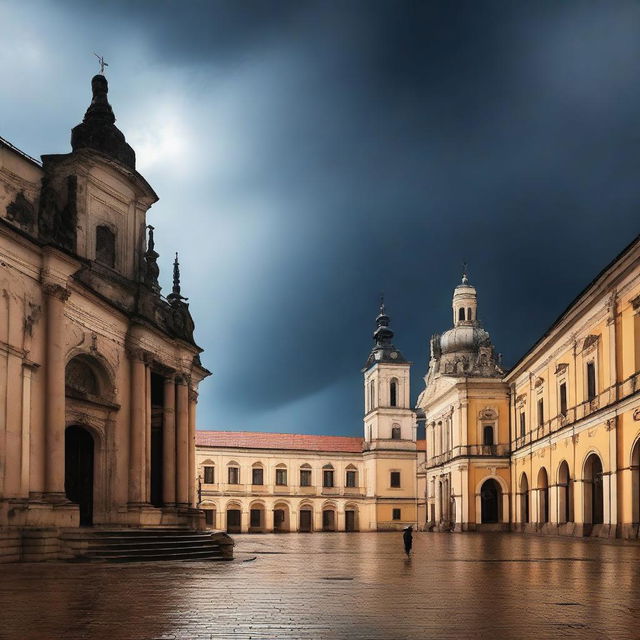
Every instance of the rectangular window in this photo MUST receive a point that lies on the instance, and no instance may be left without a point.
(208, 475)
(591, 381)
(563, 399)
(397, 514)
(209, 515)
(257, 476)
(305, 477)
(281, 477)
(234, 475)
(351, 479)
(327, 478)
(523, 424)
(540, 412)
(395, 479)
(254, 518)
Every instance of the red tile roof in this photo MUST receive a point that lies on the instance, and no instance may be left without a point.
(261, 440)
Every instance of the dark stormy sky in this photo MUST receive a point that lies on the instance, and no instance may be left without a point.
(309, 155)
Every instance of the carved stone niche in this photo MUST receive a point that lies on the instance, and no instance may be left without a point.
(21, 211)
(539, 382)
(105, 246)
(561, 367)
(488, 414)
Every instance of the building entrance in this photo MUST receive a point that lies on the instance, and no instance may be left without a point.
(305, 521)
(490, 495)
(78, 471)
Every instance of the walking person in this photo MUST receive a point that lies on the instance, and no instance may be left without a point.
(407, 536)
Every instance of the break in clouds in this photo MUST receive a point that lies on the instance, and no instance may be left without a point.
(310, 155)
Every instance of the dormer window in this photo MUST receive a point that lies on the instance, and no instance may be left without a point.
(105, 246)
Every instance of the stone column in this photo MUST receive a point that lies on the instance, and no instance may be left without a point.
(56, 296)
(137, 427)
(169, 443)
(182, 442)
(193, 401)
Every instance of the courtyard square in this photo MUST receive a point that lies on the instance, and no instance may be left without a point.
(339, 585)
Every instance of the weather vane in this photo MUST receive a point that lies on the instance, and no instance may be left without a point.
(103, 64)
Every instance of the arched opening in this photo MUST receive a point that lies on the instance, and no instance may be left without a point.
(461, 313)
(635, 483)
(209, 515)
(234, 518)
(78, 471)
(490, 501)
(257, 521)
(306, 519)
(372, 396)
(257, 474)
(328, 476)
(543, 496)
(350, 518)
(281, 475)
(469, 314)
(281, 518)
(328, 519)
(487, 435)
(305, 475)
(565, 494)
(593, 493)
(351, 477)
(105, 246)
(396, 432)
(393, 393)
(524, 499)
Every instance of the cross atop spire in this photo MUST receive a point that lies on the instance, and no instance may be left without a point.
(102, 63)
(465, 269)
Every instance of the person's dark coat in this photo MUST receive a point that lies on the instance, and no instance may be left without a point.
(407, 536)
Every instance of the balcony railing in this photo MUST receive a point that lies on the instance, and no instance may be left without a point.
(223, 488)
(489, 450)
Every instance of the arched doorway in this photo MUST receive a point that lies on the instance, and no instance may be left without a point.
(543, 496)
(78, 471)
(234, 518)
(281, 518)
(635, 483)
(306, 519)
(257, 522)
(351, 517)
(490, 499)
(593, 493)
(329, 519)
(524, 499)
(565, 494)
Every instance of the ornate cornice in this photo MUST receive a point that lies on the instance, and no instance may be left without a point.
(56, 291)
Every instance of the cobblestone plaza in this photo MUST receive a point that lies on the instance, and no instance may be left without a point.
(339, 585)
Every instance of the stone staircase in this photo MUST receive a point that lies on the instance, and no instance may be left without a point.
(144, 545)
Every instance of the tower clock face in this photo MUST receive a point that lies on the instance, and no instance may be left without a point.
(394, 354)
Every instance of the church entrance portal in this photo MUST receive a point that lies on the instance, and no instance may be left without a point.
(490, 496)
(78, 471)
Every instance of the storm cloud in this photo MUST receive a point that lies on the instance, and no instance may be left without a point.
(309, 155)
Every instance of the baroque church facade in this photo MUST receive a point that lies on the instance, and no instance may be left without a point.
(99, 371)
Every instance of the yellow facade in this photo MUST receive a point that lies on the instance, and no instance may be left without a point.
(565, 447)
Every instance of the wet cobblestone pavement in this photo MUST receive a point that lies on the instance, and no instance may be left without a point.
(339, 586)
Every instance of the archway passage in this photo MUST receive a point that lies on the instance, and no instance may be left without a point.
(594, 496)
(233, 520)
(543, 496)
(565, 497)
(78, 471)
(281, 518)
(524, 499)
(328, 520)
(490, 496)
(350, 520)
(635, 483)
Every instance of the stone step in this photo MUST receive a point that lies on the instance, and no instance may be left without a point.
(205, 554)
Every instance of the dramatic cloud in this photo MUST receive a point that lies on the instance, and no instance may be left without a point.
(309, 155)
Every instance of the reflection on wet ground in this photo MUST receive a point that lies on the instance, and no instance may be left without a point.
(339, 585)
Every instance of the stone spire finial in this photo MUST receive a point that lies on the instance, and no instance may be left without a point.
(176, 296)
(97, 131)
(465, 269)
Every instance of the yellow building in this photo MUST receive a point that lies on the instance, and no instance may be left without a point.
(464, 476)
(575, 413)
(553, 446)
(259, 482)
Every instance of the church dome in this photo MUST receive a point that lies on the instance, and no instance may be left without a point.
(464, 338)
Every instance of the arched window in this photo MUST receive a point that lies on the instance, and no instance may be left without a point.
(233, 473)
(393, 392)
(461, 313)
(487, 435)
(208, 472)
(372, 396)
(305, 475)
(105, 246)
(281, 475)
(351, 478)
(257, 474)
(396, 433)
(81, 378)
(469, 314)
(327, 476)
